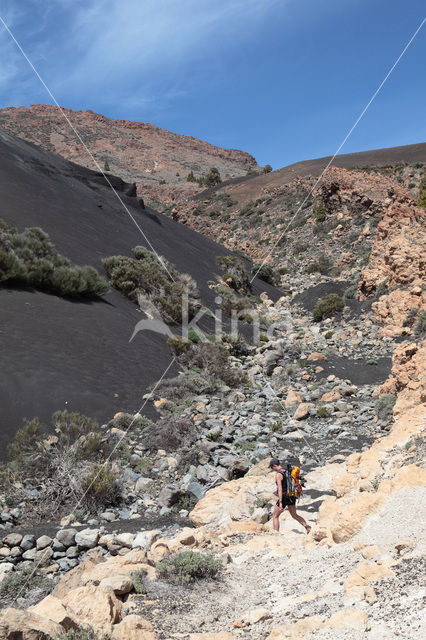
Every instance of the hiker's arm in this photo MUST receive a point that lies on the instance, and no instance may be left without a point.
(280, 489)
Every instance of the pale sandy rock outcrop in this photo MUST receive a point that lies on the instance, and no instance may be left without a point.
(95, 606)
(72, 579)
(53, 609)
(297, 629)
(393, 308)
(302, 411)
(18, 624)
(348, 619)
(219, 635)
(408, 376)
(120, 584)
(231, 500)
(133, 627)
(365, 573)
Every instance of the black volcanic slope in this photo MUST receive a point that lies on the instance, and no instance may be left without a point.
(57, 353)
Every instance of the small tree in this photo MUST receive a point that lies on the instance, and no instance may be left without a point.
(106, 166)
(422, 191)
(190, 177)
(267, 168)
(212, 178)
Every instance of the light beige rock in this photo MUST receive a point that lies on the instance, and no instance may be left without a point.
(118, 583)
(297, 629)
(53, 609)
(370, 551)
(293, 399)
(302, 411)
(363, 575)
(95, 606)
(133, 627)
(220, 635)
(348, 619)
(72, 579)
(330, 396)
(232, 500)
(256, 615)
(18, 624)
(316, 355)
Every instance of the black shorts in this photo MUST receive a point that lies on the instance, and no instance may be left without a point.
(287, 500)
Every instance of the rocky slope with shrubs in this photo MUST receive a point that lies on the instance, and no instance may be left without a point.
(161, 529)
(321, 393)
(157, 160)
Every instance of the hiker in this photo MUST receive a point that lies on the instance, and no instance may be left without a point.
(289, 490)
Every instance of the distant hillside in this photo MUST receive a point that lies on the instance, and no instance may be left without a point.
(251, 215)
(57, 353)
(157, 160)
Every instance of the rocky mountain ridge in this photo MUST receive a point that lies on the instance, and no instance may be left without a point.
(157, 160)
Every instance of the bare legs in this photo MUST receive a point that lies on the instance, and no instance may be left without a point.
(292, 510)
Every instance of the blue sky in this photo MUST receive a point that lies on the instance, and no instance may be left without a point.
(282, 79)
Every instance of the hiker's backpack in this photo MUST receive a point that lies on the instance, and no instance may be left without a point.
(291, 481)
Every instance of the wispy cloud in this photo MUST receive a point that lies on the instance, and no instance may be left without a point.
(141, 51)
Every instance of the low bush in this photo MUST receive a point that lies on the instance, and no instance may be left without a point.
(266, 273)
(322, 265)
(350, 292)
(419, 329)
(60, 459)
(30, 259)
(235, 270)
(159, 281)
(170, 433)
(384, 406)
(320, 214)
(327, 306)
(100, 488)
(187, 567)
(82, 633)
(422, 191)
(138, 585)
(212, 360)
(21, 582)
(323, 412)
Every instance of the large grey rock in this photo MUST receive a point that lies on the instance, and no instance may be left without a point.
(197, 490)
(66, 537)
(72, 552)
(125, 539)
(144, 539)
(142, 484)
(12, 539)
(169, 496)
(5, 568)
(43, 542)
(43, 557)
(87, 538)
(108, 516)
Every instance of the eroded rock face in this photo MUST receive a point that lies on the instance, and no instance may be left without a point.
(18, 624)
(408, 376)
(136, 151)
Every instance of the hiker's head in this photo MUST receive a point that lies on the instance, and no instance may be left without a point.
(274, 464)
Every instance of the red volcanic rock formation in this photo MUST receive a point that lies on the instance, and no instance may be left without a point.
(157, 160)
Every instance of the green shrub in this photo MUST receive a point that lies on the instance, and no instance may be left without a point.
(422, 191)
(384, 406)
(235, 269)
(190, 177)
(321, 214)
(30, 259)
(22, 581)
(267, 168)
(146, 275)
(350, 292)
(138, 585)
(187, 567)
(322, 265)
(328, 334)
(327, 306)
(178, 345)
(100, 488)
(82, 633)
(323, 412)
(420, 325)
(266, 273)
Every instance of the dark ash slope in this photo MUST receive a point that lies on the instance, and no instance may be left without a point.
(55, 353)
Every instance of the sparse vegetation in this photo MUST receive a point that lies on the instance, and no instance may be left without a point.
(323, 412)
(267, 168)
(138, 585)
(328, 306)
(82, 633)
(159, 281)
(422, 191)
(29, 259)
(22, 581)
(384, 406)
(187, 567)
(236, 275)
(419, 329)
(322, 265)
